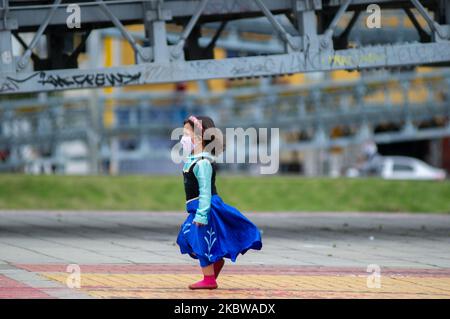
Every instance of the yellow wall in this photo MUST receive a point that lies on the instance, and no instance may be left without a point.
(343, 75)
(108, 115)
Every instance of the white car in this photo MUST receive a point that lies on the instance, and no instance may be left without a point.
(402, 167)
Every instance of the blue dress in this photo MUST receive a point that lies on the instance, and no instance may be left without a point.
(226, 232)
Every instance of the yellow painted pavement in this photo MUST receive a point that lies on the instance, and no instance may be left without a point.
(103, 285)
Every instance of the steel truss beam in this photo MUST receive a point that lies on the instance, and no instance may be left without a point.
(349, 59)
(130, 11)
(378, 138)
(306, 51)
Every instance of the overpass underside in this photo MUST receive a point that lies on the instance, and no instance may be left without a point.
(308, 32)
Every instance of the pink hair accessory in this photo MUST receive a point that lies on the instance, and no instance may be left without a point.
(196, 122)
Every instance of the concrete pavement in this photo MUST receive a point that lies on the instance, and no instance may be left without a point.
(134, 254)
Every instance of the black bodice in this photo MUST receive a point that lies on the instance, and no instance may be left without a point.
(191, 187)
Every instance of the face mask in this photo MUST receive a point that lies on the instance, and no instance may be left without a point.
(187, 144)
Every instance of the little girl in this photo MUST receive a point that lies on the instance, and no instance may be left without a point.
(213, 230)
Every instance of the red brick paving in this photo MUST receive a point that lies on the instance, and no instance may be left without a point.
(236, 281)
(10, 288)
(232, 269)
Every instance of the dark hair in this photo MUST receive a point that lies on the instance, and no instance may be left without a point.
(216, 136)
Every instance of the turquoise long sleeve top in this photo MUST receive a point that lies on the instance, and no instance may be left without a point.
(203, 172)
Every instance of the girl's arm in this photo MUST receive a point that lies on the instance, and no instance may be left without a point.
(203, 171)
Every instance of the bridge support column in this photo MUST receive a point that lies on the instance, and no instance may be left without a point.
(7, 63)
(6, 55)
(155, 31)
(306, 23)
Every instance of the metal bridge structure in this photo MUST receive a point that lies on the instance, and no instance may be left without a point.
(308, 32)
(383, 108)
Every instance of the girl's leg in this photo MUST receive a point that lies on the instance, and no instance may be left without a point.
(208, 270)
(209, 279)
(218, 265)
(216, 268)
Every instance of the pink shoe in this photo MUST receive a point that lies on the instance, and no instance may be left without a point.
(218, 265)
(208, 282)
